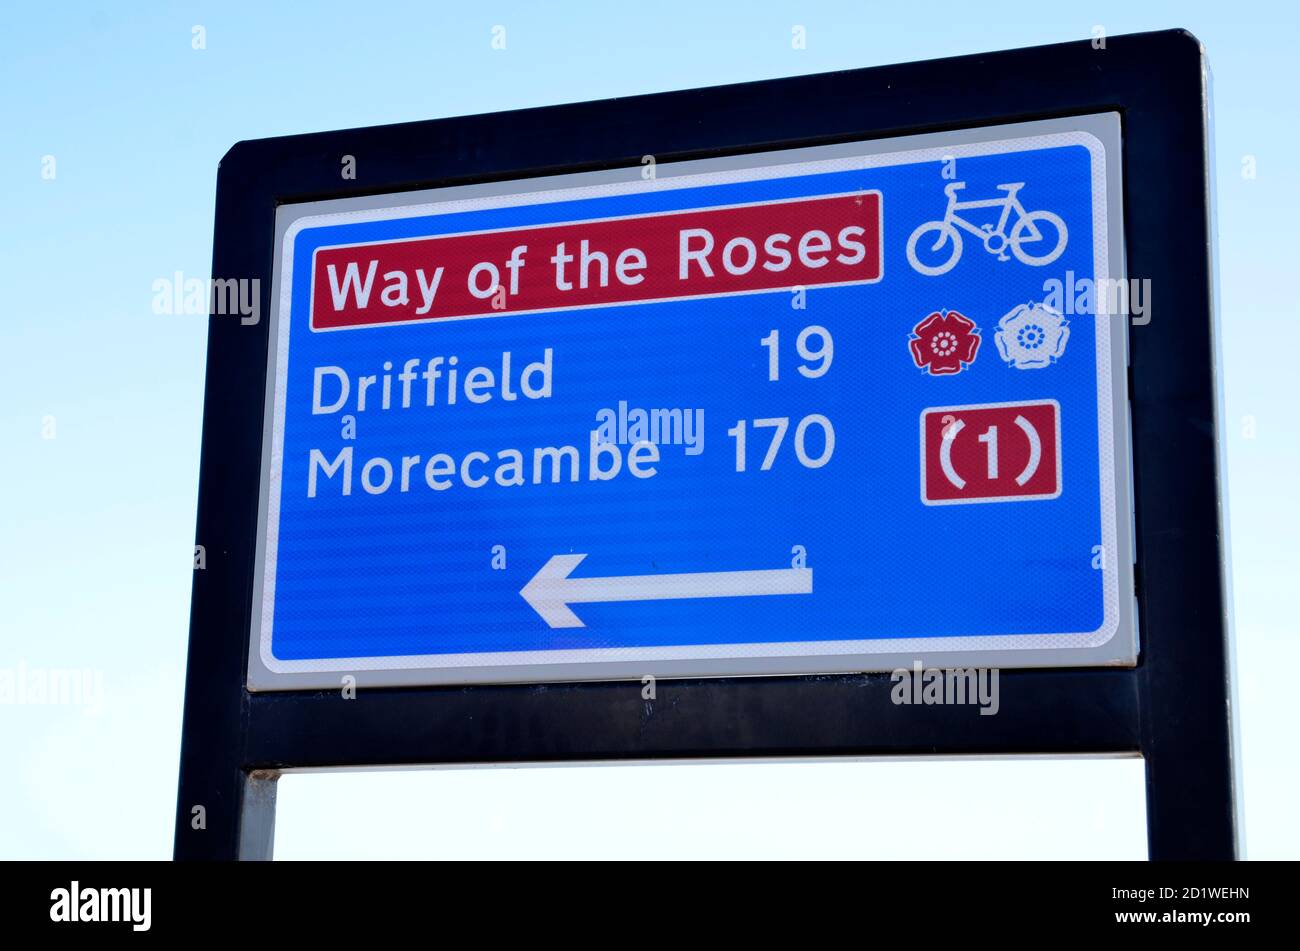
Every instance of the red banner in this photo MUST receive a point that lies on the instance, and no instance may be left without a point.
(811, 242)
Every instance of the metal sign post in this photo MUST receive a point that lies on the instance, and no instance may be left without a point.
(749, 421)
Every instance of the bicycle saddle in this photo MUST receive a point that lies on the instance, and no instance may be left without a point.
(1013, 186)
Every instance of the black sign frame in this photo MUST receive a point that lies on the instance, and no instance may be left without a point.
(1174, 709)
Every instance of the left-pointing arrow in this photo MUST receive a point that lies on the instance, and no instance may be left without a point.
(551, 590)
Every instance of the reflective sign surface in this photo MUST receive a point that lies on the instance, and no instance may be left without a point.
(815, 410)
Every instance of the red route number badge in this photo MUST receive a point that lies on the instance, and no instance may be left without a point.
(995, 452)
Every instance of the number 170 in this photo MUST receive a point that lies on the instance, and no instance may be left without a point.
(779, 425)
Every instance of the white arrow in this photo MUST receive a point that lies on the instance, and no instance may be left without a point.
(551, 590)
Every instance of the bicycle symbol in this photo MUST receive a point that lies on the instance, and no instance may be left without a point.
(996, 240)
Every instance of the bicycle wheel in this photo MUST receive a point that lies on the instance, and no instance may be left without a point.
(1035, 219)
(942, 232)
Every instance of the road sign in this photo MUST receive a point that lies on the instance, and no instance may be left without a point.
(815, 379)
(662, 420)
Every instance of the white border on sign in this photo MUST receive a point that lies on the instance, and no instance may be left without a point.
(1114, 642)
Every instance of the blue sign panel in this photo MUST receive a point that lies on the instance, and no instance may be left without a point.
(814, 410)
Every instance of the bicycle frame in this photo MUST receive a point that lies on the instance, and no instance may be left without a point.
(1008, 204)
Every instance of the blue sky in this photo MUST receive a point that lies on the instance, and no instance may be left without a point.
(96, 523)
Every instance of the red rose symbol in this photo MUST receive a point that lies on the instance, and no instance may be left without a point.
(945, 343)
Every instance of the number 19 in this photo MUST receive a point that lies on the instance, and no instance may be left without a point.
(821, 354)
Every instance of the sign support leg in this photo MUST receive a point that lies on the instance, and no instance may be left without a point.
(1187, 743)
(257, 816)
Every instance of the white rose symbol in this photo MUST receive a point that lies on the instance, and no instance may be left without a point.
(1031, 336)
